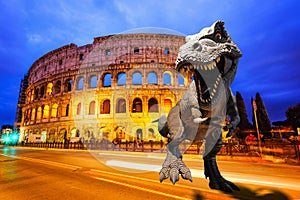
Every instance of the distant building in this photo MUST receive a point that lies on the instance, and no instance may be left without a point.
(6, 129)
(113, 88)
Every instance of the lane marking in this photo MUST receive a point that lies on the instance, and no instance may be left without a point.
(155, 181)
(197, 173)
(142, 188)
(73, 167)
(57, 164)
(155, 168)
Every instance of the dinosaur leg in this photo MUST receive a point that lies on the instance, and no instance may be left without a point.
(173, 164)
(216, 181)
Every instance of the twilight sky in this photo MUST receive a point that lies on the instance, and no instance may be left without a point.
(266, 32)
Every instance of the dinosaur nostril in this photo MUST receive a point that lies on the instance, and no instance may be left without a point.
(197, 46)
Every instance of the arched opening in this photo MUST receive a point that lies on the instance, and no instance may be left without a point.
(54, 110)
(167, 79)
(36, 94)
(65, 110)
(121, 106)
(92, 108)
(42, 91)
(139, 134)
(107, 80)
(57, 87)
(51, 136)
(93, 81)
(62, 135)
(32, 95)
(49, 89)
(152, 105)
(106, 107)
(32, 114)
(152, 78)
(78, 110)
(136, 78)
(68, 85)
(151, 133)
(122, 78)
(46, 112)
(167, 105)
(39, 113)
(80, 83)
(137, 105)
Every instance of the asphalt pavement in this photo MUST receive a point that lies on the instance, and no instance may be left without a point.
(29, 173)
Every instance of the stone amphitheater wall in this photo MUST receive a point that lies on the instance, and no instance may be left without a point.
(113, 88)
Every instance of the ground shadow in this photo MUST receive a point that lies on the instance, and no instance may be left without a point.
(248, 194)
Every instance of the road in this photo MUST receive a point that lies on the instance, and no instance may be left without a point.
(70, 174)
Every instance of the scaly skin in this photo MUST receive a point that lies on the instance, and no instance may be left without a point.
(212, 57)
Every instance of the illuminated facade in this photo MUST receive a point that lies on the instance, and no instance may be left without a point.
(113, 88)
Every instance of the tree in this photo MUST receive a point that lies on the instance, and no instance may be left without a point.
(293, 117)
(244, 122)
(263, 120)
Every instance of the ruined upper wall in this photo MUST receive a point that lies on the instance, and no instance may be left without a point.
(107, 50)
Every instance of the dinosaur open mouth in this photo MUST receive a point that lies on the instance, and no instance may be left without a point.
(208, 76)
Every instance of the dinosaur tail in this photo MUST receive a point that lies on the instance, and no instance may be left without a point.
(162, 125)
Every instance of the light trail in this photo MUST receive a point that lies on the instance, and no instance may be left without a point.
(199, 174)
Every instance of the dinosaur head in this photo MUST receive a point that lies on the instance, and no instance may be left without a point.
(212, 57)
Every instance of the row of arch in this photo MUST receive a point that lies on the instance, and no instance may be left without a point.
(46, 112)
(92, 134)
(107, 81)
(121, 106)
(137, 79)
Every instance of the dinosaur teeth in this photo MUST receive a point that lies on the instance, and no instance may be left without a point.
(210, 67)
(213, 65)
(218, 59)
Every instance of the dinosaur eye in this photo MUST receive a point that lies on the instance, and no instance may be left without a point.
(218, 36)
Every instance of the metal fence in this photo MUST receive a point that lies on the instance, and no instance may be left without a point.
(284, 150)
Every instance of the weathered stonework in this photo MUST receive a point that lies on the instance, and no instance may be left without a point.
(113, 88)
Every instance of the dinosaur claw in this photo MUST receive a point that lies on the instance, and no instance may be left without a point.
(187, 176)
(173, 169)
(161, 177)
(163, 174)
(185, 171)
(174, 175)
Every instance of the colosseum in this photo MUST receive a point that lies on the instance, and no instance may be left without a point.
(113, 88)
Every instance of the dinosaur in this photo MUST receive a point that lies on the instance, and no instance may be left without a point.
(212, 57)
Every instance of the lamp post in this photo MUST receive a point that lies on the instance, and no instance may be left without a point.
(257, 130)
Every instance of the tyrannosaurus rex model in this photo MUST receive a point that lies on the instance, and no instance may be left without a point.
(212, 57)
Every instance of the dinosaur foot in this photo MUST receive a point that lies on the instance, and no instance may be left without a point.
(216, 181)
(223, 185)
(173, 170)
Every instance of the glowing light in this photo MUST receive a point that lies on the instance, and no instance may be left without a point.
(131, 165)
